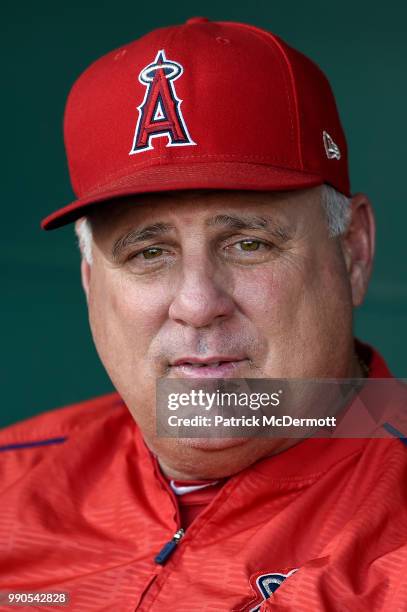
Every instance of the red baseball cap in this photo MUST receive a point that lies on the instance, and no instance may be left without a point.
(203, 105)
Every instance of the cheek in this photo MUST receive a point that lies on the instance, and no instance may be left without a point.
(302, 308)
(269, 294)
(125, 316)
(125, 319)
(309, 285)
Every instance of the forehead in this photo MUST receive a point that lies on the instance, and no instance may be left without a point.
(201, 207)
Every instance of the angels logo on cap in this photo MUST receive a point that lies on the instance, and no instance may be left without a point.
(160, 112)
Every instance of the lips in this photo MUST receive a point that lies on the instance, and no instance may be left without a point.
(209, 364)
(212, 367)
(196, 362)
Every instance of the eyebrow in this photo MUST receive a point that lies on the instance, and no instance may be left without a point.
(245, 222)
(140, 235)
(251, 222)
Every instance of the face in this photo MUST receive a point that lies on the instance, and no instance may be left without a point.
(248, 283)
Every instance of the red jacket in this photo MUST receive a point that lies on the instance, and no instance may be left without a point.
(85, 510)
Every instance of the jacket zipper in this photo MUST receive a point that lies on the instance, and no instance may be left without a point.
(168, 548)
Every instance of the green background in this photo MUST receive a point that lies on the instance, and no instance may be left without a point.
(47, 353)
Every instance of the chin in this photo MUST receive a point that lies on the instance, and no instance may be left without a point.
(201, 458)
(212, 444)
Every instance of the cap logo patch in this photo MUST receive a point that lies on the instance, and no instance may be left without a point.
(331, 148)
(160, 112)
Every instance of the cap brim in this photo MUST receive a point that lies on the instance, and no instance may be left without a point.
(211, 175)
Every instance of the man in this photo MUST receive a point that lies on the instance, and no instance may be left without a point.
(219, 239)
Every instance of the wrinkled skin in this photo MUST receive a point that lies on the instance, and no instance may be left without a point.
(277, 299)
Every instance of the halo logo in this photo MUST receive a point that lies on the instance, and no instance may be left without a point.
(160, 112)
(267, 584)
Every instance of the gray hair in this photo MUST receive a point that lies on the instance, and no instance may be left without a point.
(84, 235)
(337, 208)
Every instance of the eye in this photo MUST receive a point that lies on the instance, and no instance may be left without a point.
(151, 253)
(250, 245)
(249, 250)
(150, 259)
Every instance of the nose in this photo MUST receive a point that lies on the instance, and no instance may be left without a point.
(201, 298)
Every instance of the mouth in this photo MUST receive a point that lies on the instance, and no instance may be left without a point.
(213, 367)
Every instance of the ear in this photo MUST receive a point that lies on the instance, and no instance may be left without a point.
(358, 245)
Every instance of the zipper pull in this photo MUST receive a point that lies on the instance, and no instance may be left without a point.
(169, 547)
